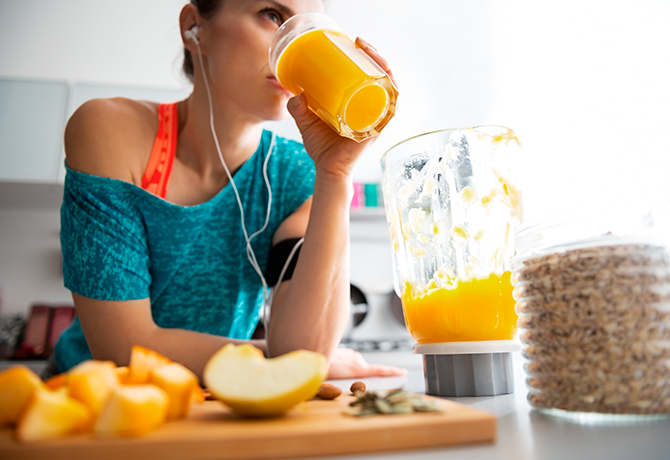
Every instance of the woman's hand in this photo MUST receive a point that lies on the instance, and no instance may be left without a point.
(333, 154)
(349, 364)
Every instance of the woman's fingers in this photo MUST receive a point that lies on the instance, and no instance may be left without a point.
(348, 364)
(379, 370)
(374, 54)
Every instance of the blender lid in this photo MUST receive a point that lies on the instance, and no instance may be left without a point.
(467, 348)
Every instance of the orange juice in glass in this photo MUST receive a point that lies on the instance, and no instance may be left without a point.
(343, 85)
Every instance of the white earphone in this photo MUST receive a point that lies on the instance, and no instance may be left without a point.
(192, 33)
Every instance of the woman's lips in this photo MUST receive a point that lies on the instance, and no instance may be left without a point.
(278, 85)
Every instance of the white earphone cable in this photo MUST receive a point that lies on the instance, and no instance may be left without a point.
(250, 252)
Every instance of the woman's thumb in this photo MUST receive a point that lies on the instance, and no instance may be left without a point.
(297, 107)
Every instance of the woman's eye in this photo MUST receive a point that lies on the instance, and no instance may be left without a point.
(273, 15)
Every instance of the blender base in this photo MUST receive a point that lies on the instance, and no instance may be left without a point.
(468, 368)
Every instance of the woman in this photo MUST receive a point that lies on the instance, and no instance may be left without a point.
(154, 251)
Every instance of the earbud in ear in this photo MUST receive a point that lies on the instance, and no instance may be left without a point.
(192, 33)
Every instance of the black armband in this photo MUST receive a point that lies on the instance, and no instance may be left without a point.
(277, 259)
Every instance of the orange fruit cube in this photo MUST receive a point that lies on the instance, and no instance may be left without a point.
(180, 384)
(17, 385)
(122, 373)
(56, 382)
(92, 382)
(51, 414)
(133, 410)
(142, 362)
(199, 395)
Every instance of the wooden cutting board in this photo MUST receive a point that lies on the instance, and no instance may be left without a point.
(312, 429)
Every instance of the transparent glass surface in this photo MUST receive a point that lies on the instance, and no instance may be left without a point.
(593, 299)
(346, 88)
(451, 203)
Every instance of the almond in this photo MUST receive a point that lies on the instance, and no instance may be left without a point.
(328, 391)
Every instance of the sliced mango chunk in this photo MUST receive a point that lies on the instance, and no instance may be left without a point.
(199, 395)
(142, 362)
(251, 385)
(122, 373)
(133, 410)
(180, 384)
(17, 385)
(51, 414)
(56, 382)
(92, 383)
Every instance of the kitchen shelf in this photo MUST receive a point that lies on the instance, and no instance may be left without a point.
(35, 365)
(26, 195)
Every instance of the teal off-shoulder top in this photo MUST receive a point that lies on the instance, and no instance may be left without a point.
(120, 242)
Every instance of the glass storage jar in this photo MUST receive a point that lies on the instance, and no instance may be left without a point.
(593, 299)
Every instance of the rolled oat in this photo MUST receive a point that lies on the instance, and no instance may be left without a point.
(595, 328)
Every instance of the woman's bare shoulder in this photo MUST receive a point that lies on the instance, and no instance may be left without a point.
(111, 138)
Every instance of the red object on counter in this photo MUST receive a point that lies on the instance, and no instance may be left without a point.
(43, 329)
(61, 318)
(35, 333)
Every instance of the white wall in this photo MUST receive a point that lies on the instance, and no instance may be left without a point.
(30, 256)
(584, 84)
(133, 42)
(30, 259)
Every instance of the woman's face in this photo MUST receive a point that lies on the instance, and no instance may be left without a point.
(235, 43)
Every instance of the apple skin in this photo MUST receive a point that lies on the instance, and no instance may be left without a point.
(253, 386)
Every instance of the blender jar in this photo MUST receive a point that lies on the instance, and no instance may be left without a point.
(451, 204)
(593, 297)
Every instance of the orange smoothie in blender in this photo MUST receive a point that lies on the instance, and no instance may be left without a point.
(475, 309)
(343, 86)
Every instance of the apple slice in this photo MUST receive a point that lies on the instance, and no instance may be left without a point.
(17, 384)
(241, 378)
(181, 386)
(51, 414)
(133, 410)
(92, 382)
(142, 362)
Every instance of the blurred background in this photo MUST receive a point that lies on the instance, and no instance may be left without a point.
(584, 84)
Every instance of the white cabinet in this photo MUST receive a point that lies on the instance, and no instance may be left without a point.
(33, 114)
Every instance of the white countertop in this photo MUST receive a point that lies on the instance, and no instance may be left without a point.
(522, 432)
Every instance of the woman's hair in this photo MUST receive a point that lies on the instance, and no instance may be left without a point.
(207, 9)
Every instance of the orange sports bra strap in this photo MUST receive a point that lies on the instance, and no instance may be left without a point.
(159, 168)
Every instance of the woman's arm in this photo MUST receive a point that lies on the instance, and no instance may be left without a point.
(111, 328)
(312, 310)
